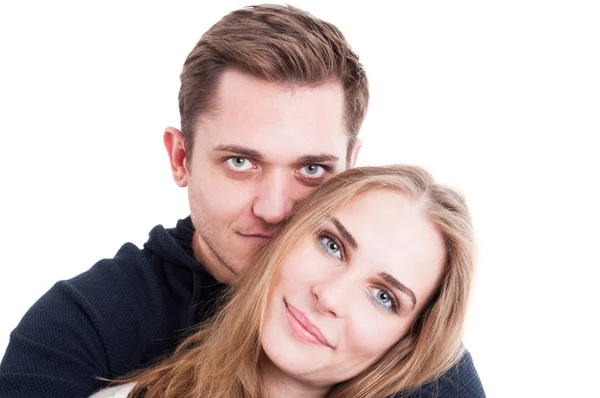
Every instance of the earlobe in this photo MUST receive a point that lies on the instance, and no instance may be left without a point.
(355, 151)
(175, 146)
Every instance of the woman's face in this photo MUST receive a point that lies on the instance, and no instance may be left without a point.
(346, 296)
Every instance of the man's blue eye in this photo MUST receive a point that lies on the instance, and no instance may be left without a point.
(239, 164)
(312, 171)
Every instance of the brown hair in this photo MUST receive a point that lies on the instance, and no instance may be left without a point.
(279, 44)
(222, 359)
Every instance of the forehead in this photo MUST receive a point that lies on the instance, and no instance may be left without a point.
(395, 236)
(281, 122)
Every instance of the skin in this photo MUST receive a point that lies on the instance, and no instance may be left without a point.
(340, 290)
(264, 149)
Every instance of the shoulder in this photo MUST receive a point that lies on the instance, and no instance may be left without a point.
(120, 391)
(115, 283)
(461, 380)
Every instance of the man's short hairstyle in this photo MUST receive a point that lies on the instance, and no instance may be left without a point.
(279, 44)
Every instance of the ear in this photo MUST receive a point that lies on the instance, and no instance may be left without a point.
(175, 146)
(355, 150)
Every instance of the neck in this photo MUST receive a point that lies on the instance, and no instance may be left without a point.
(276, 383)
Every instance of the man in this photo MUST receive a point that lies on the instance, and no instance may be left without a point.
(271, 103)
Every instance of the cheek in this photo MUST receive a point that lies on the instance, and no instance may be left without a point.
(304, 266)
(221, 196)
(370, 334)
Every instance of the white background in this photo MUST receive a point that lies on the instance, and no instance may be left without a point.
(500, 100)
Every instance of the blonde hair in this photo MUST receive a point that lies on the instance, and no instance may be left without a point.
(222, 359)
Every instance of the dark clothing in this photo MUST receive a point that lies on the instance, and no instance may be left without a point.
(125, 312)
(461, 380)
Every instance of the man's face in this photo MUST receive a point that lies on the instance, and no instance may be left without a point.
(264, 149)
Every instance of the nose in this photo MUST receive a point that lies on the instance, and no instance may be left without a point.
(331, 295)
(274, 197)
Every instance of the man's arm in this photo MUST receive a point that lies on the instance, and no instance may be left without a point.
(55, 350)
(98, 324)
(460, 381)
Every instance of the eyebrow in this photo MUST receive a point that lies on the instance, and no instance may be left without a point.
(320, 158)
(398, 285)
(253, 153)
(344, 232)
(240, 150)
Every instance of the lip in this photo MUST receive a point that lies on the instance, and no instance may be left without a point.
(303, 328)
(264, 236)
(256, 239)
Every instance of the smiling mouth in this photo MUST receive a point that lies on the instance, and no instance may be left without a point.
(303, 328)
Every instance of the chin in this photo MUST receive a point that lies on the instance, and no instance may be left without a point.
(295, 365)
(289, 355)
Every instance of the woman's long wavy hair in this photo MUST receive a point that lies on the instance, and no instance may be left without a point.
(222, 359)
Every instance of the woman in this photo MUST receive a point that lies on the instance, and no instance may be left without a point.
(362, 293)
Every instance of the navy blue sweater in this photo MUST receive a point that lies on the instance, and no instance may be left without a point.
(127, 311)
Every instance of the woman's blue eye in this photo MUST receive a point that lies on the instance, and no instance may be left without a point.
(382, 298)
(330, 246)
